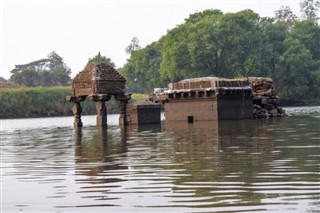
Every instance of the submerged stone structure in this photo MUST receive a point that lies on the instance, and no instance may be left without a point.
(143, 112)
(189, 100)
(99, 82)
(213, 98)
(265, 99)
(208, 98)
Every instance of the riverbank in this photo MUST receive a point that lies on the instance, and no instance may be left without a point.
(33, 102)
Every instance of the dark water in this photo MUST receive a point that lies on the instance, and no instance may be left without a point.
(231, 166)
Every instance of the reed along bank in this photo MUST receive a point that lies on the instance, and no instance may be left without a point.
(32, 102)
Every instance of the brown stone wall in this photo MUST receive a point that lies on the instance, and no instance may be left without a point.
(109, 86)
(234, 108)
(83, 91)
(199, 109)
(143, 114)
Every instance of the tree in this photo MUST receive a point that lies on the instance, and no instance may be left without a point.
(133, 46)
(27, 77)
(190, 50)
(241, 45)
(309, 9)
(274, 35)
(44, 72)
(230, 45)
(308, 33)
(285, 15)
(295, 70)
(176, 60)
(101, 59)
(143, 69)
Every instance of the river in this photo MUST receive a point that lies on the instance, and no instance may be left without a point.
(267, 165)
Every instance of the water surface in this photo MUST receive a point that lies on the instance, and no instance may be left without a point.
(269, 165)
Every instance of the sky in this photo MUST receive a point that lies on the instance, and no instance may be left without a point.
(78, 29)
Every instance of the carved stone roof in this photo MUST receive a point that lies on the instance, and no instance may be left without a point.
(98, 78)
(98, 71)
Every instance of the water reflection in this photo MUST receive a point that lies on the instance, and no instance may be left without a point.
(248, 165)
(97, 154)
(205, 165)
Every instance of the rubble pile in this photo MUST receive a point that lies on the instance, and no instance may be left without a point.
(265, 99)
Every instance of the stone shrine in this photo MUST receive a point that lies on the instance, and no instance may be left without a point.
(99, 82)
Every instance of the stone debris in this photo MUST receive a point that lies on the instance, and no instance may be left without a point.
(265, 99)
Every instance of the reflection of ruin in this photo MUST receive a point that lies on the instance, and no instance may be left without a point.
(199, 136)
(98, 82)
(223, 151)
(97, 149)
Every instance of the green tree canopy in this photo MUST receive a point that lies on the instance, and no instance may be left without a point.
(44, 72)
(142, 69)
(101, 59)
(211, 43)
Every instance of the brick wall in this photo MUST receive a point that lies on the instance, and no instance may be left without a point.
(146, 113)
(205, 109)
(235, 108)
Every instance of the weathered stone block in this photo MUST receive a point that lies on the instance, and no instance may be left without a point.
(143, 112)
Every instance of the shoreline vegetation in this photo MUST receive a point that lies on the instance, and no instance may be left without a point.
(33, 102)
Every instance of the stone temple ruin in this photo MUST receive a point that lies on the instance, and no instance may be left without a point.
(99, 82)
(190, 100)
(208, 98)
(213, 98)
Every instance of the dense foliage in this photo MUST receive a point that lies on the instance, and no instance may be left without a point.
(101, 59)
(50, 71)
(46, 102)
(211, 43)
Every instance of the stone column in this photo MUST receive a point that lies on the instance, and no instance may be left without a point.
(123, 109)
(76, 109)
(100, 100)
(123, 98)
(101, 113)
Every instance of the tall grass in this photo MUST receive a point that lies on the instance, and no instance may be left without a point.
(45, 102)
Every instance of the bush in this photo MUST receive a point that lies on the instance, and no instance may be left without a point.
(46, 102)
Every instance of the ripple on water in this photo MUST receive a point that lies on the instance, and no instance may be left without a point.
(238, 166)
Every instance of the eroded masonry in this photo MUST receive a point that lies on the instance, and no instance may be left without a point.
(190, 100)
(98, 82)
(213, 98)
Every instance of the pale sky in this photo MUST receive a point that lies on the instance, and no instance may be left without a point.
(78, 29)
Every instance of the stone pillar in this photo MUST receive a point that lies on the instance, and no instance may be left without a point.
(100, 100)
(101, 113)
(123, 98)
(76, 109)
(123, 115)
